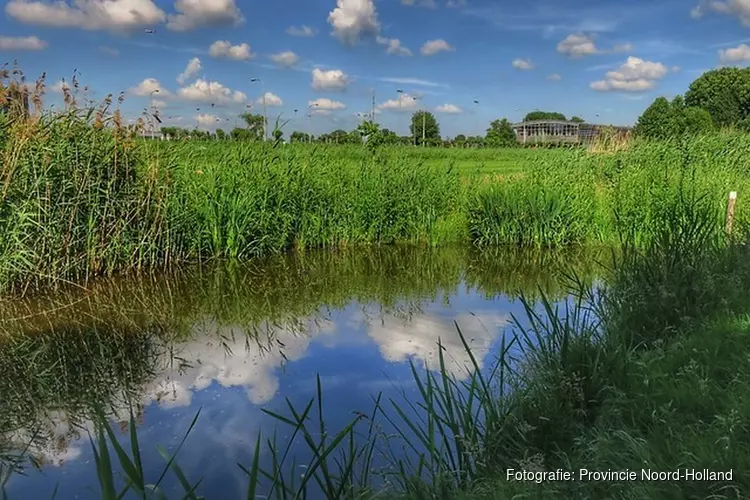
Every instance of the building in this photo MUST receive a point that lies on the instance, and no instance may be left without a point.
(552, 131)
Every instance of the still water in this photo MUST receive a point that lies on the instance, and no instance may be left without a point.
(234, 340)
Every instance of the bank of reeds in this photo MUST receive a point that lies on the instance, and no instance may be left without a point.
(81, 197)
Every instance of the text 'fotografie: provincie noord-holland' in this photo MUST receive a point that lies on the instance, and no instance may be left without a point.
(619, 475)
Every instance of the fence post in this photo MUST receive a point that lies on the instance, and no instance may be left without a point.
(730, 211)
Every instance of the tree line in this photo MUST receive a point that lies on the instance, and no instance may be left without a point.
(718, 99)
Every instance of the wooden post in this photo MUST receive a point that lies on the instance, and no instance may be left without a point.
(730, 211)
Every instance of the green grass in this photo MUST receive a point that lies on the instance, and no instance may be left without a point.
(80, 202)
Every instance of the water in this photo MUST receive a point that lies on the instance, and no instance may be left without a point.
(232, 340)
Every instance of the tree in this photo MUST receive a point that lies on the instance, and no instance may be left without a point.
(298, 136)
(243, 134)
(724, 93)
(254, 125)
(664, 119)
(544, 115)
(424, 127)
(577, 119)
(500, 134)
(220, 134)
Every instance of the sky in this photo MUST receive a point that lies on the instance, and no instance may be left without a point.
(327, 59)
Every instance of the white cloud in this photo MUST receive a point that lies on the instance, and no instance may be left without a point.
(271, 100)
(741, 53)
(422, 3)
(111, 15)
(211, 92)
(622, 47)
(554, 77)
(21, 43)
(159, 104)
(417, 338)
(524, 64)
(736, 8)
(404, 102)
(149, 86)
(432, 47)
(334, 79)
(325, 105)
(109, 51)
(353, 18)
(192, 69)
(301, 31)
(198, 13)
(412, 81)
(635, 75)
(577, 45)
(59, 86)
(286, 59)
(394, 46)
(450, 109)
(224, 49)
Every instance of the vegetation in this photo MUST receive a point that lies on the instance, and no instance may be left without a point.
(646, 373)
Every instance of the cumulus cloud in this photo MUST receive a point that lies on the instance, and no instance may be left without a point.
(110, 15)
(412, 81)
(21, 43)
(149, 86)
(198, 13)
(211, 92)
(737, 8)
(325, 104)
(450, 109)
(741, 53)
(394, 46)
(286, 59)
(580, 45)
(334, 79)
(352, 19)
(577, 45)
(524, 64)
(635, 75)
(404, 102)
(554, 77)
(271, 100)
(224, 49)
(301, 31)
(192, 69)
(206, 119)
(432, 47)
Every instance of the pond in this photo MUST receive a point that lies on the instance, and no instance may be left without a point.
(234, 340)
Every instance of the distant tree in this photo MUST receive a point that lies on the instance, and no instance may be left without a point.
(577, 119)
(243, 134)
(500, 134)
(664, 119)
(424, 124)
(254, 125)
(544, 115)
(298, 136)
(220, 134)
(724, 93)
(354, 137)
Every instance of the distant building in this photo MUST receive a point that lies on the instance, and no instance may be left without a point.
(553, 131)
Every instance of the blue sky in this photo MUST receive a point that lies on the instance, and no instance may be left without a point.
(599, 59)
